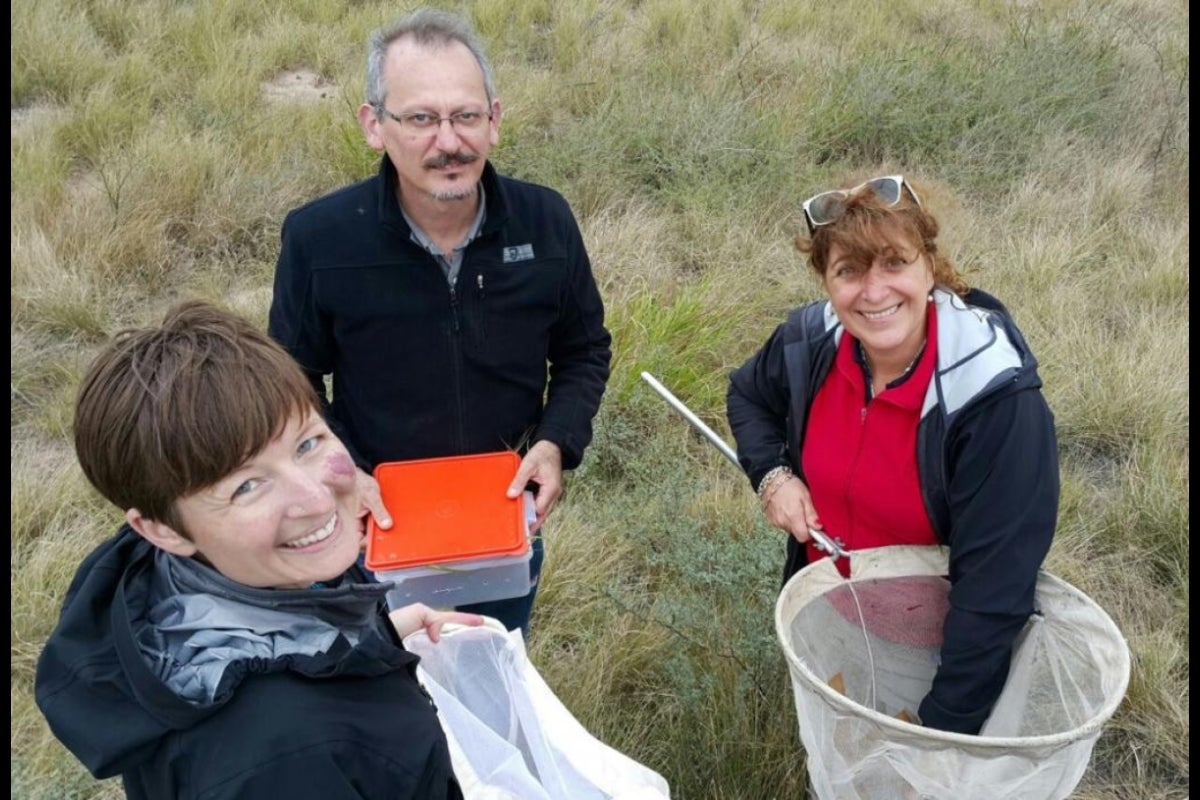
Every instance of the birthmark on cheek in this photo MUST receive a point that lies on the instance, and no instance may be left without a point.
(340, 464)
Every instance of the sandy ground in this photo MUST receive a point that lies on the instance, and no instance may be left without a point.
(291, 86)
(298, 85)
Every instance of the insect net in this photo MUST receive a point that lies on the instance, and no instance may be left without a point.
(862, 652)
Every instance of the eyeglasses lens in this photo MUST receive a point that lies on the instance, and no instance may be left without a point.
(826, 207)
(886, 189)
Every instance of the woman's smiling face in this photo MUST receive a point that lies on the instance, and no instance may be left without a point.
(288, 517)
(882, 303)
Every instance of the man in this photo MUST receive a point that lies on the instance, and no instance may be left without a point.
(454, 307)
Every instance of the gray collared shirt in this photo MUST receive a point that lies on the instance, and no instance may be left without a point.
(449, 264)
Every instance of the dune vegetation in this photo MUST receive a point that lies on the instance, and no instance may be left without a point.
(156, 146)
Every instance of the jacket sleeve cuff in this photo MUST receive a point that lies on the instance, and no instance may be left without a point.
(935, 715)
(571, 456)
(759, 471)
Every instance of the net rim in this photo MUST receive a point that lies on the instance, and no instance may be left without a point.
(902, 560)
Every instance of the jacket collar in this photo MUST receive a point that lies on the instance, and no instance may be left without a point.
(196, 612)
(388, 208)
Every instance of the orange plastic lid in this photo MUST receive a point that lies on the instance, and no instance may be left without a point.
(446, 510)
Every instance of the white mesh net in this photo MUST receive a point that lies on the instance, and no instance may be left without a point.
(862, 654)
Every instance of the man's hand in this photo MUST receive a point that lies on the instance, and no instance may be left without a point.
(370, 501)
(541, 465)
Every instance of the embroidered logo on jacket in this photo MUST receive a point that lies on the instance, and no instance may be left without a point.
(521, 252)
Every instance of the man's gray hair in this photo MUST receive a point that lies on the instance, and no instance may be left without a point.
(427, 26)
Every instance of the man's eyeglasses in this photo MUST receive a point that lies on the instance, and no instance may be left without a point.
(425, 122)
(828, 207)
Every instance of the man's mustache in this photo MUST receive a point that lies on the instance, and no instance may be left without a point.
(446, 159)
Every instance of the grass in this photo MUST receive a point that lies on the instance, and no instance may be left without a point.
(153, 158)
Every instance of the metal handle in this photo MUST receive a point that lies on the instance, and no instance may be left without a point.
(697, 423)
(822, 540)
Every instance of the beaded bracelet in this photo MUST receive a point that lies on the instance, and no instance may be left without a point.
(772, 477)
(774, 490)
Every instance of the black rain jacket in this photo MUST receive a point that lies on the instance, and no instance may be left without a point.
(352, 723)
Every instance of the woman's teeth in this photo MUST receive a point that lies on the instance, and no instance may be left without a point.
(316, 536)
(881, 314)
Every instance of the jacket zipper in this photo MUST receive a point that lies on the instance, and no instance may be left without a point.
(456, 365)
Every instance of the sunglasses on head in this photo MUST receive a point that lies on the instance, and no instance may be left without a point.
(828, 207)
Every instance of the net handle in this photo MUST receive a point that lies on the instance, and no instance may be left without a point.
(822, 540)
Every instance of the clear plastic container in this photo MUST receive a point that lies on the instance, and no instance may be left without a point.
(461, 582)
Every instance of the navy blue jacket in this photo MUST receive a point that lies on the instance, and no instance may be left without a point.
(350, 723)
(514, 353)
(987, 457)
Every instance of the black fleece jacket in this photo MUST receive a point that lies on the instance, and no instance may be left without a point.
(515, 352)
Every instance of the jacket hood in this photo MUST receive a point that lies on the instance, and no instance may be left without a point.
(980, 350)
(111, 707)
